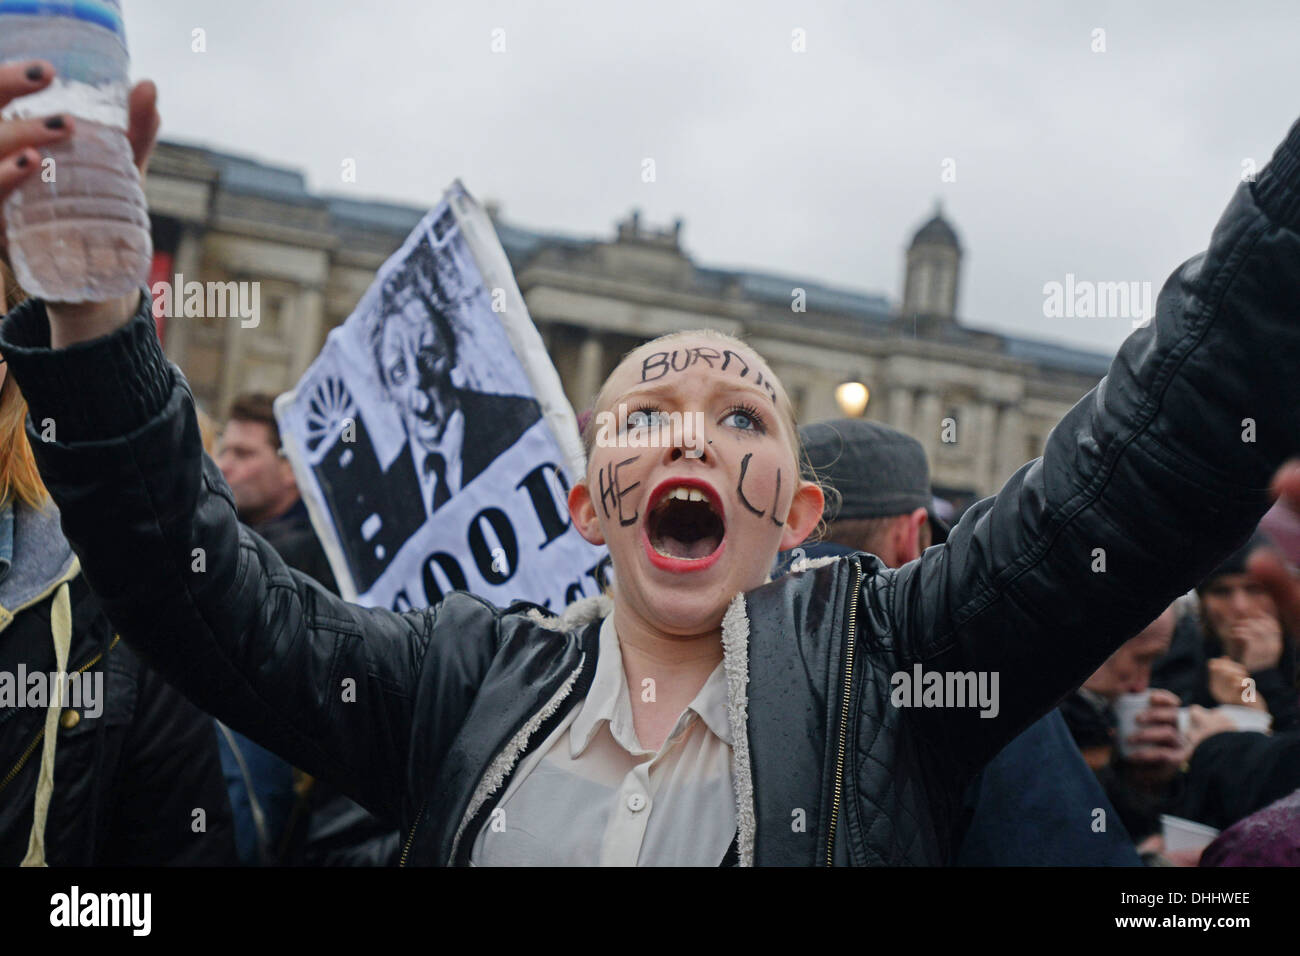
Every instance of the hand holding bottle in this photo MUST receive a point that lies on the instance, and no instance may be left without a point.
(21, 142)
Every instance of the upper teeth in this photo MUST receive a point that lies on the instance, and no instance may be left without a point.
(682, 493)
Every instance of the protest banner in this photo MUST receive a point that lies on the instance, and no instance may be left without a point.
(431, 439)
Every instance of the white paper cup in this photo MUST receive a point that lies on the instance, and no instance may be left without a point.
(1127, 707)
(1248, 718)
(1183, 834)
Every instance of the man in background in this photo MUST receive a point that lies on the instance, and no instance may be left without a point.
(266, 494)
(1035, 803)
(1142, 776)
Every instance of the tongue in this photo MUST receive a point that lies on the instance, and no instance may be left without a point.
(691, 550)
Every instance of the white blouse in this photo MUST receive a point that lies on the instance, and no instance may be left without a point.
(591, 795)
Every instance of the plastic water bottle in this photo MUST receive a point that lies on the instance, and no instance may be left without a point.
(78, 227)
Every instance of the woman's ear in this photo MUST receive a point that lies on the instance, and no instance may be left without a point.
(582, 509)
(805, 512)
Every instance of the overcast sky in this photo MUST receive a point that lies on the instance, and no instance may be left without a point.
(1113, 166)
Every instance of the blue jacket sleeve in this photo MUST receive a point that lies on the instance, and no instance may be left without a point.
(1038, 804)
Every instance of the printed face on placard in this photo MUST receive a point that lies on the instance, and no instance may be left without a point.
(416, 356)
(692, 481)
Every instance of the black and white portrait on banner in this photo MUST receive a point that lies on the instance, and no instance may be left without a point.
(421, 443)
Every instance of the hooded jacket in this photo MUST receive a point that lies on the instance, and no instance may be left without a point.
(1145, 485)
(113, 776)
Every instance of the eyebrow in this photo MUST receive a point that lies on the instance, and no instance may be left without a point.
(665, 389)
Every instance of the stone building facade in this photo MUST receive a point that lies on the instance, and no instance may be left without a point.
(982, 403)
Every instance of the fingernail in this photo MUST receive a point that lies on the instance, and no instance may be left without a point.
(35, 72)
(54, 122)
(23, 161)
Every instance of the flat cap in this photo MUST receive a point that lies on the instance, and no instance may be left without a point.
(877, 470)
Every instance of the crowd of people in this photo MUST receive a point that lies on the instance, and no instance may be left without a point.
(734, 696)
(1224, 645)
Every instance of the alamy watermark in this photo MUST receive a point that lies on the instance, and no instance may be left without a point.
(922, 688)
(129, 910)
(36, 689)
(643, 429)
(1085, 299)
(211, 300)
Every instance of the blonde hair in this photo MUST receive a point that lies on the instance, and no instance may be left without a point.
(19, 479)
(782, 401)
(209, 431)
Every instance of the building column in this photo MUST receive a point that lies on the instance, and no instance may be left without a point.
(591, 365)
(901, 408)
(1011, 441)
(926, 426)
(307, 319)
(187, 262)
(234, 349)
(985, 457)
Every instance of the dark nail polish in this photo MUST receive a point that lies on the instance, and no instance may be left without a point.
(23, 161)
(54, 122)
(35, 72)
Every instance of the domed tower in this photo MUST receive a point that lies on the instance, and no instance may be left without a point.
(933, 265)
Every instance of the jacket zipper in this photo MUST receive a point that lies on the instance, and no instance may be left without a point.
(31, 748)
(410, 837)
(850, 640)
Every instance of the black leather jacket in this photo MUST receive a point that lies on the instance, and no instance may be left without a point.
(127, 778)
(1150, 468)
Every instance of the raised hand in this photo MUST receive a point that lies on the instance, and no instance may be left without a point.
(20, 140)
(1228, 682)
(1256, 642)
(20, 157)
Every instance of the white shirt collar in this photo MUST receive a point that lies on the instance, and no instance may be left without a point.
(608, 700)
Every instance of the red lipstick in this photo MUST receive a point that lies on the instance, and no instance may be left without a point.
(683, 565)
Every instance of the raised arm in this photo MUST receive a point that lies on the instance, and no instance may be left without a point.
(1148, 482)
(326, 684)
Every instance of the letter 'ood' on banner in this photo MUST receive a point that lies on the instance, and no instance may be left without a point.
(431, 438)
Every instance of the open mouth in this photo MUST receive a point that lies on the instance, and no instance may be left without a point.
(685, 522)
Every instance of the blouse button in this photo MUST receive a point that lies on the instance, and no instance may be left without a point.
(636, 802)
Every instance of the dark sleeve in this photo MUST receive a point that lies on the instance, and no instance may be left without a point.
(342, 833)
(1144, 486)
(1182, 669)
(302, 550)
(171, 807)
(1233, 775)
(327, 685)
(1281, 697)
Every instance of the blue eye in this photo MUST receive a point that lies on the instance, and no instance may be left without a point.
(745, 418)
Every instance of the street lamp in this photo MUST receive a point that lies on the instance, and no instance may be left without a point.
(852, 397)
